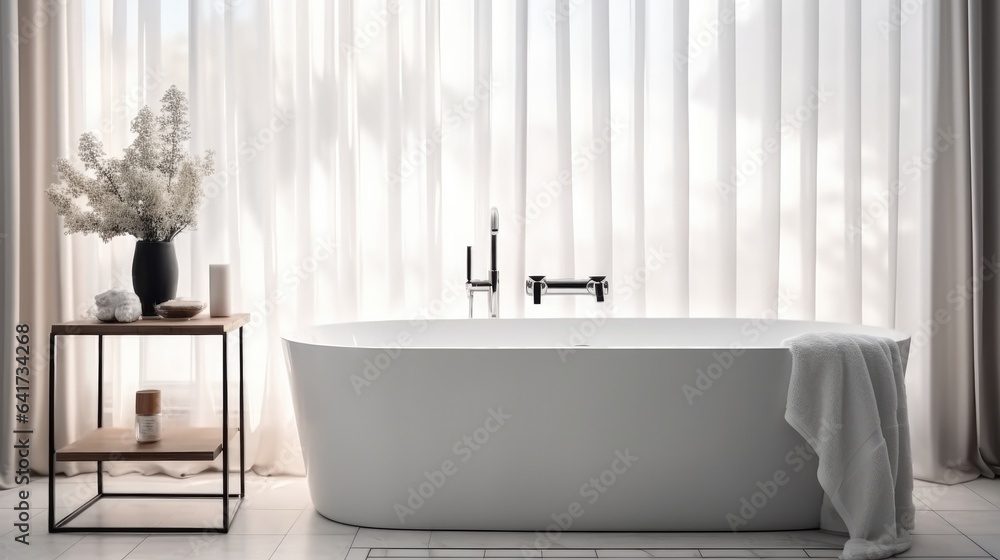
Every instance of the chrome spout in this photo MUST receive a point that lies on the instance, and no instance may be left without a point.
(492, 284)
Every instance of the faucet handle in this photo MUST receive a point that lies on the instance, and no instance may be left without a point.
(598, 283)
(536, 284)
(468, 263)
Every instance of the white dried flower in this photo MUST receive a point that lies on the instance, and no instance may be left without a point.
(153, 192)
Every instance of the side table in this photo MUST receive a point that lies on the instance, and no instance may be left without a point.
(177, 444)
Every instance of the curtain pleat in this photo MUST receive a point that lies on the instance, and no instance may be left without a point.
(394, 296)
(852, 148)
(601, 120)
(711, 242)
(894, 130)
(720, 264)
(348, 248)
(808, 105)
(411, 39)
(869, 222)
(207, 55)
(39, 80)
(771, 172)
(752, 182)
(10, 223)
(797, 129)
(637, 163)
(560, 187)
(988, 378)
(520, 147)
(976, 117)
(913, 201)
(658, 168)
(831, 178)
(794, 159)
(621, 54)
(300, 102)
(482, 97)
(680, 233)
(432, 126)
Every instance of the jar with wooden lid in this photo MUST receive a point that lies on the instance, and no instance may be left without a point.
(148, 420)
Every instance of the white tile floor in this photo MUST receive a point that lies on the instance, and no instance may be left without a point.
(277, 522)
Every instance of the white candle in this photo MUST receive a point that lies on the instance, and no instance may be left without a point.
(219, 302)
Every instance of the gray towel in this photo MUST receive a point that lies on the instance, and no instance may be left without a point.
(846, 397)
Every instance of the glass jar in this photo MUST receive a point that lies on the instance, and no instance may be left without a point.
(148, 420)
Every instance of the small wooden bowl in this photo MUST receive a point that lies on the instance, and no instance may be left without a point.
(180, 308)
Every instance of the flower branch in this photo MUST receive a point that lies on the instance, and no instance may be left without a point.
(153, 192)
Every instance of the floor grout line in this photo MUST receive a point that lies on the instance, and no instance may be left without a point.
(134, 547)
(74, 544)
(279, 545)
(973, 490)
(355, 539)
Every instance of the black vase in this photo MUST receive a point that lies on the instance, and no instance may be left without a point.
(154, 274)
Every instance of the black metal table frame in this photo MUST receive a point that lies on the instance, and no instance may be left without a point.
(62, 526)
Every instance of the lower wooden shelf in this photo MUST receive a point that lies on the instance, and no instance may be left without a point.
(118, 444)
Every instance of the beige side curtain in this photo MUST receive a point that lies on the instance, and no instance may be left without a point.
(984, 113)
(988, 370)
(38, 82)
(948, 266)
(9, 214)
(807, 159)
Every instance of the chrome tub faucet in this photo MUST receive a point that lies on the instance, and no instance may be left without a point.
(537, 286)
(491, 285)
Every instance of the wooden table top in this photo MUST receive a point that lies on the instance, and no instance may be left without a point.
(199, 325)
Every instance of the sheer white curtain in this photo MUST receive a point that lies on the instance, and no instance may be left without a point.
(750, 158)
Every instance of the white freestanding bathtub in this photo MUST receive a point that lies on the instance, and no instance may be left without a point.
(558, 424)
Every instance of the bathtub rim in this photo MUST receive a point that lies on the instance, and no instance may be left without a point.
(296, 336)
